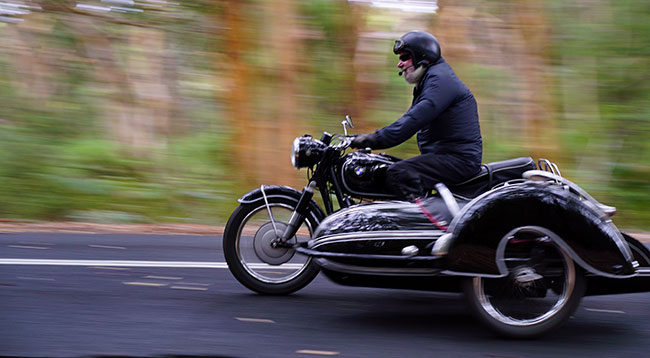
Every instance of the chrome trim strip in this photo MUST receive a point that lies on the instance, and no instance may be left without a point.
(372, 239)
(378, 257)
(643, 271)
(387, 271)
(401, 233)
(469, 274)
(502, 245)
(378, 235)
(647, 259)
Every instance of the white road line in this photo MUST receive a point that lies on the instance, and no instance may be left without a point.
(36, 278)
(149, 284)
(604, 311)
(109, 268)
(255, 320)
(321, 353)
(189, 288)
(164, 277)
(29, 247)
(192, 284)
(126, 263)
(107, 247)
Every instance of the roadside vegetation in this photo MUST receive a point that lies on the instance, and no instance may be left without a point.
(167, 112)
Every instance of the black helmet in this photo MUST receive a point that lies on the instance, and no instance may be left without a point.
(423, 47)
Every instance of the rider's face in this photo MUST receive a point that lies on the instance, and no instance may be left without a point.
(405, 62)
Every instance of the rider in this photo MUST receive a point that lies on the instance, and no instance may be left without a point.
(444, 115)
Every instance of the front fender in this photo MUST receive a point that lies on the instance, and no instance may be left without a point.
(273, 191)
(590, 238)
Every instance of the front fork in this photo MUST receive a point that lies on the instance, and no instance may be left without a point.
(297, 217)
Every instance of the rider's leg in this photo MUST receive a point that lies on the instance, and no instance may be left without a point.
(404, 182)
(412, 178)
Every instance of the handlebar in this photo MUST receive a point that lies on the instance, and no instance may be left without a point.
(342, 141)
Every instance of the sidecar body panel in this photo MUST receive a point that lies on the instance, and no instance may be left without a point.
(386, 216)
(591, 238)
(371, 238)
(404, 238)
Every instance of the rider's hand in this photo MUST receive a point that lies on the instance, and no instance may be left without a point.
(362, 141)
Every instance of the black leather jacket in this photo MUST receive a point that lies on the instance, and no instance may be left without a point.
(444, 116)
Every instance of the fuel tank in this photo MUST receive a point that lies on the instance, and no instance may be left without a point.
(363, 174)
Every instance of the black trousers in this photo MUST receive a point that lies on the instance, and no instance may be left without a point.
(412, 178)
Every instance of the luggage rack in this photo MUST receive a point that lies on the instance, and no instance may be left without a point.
(548, 166)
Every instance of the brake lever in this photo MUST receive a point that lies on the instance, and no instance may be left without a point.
(345, 141)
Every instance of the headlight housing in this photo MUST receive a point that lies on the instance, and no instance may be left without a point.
(306, 151)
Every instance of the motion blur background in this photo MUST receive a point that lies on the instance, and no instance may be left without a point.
(145, 111)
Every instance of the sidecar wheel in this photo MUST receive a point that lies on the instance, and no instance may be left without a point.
(257, 265)
(542, 290)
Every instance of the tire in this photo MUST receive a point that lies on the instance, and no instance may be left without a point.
(542, 290)
(250, 257)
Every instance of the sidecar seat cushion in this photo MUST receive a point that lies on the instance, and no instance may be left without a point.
(492, 174)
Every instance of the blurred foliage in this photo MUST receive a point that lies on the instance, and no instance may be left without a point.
(124, 112)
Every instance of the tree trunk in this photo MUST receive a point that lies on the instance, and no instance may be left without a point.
(280, 131)
(239, 97)
(518, 101)
(534, 70)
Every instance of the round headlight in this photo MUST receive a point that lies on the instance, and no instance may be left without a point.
(295, 151)
(306, 151)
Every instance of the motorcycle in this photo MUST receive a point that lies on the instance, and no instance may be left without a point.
(521, 242)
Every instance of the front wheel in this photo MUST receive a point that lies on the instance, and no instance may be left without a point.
(255, 263)
(541, 291)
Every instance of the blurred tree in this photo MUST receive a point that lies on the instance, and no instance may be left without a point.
(534, 69)
(240, 94)
(280, 126)
(170, 110)
(508, 46)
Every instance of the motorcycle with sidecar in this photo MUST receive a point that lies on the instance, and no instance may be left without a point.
(523, 243)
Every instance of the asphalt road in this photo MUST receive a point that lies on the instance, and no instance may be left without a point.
(75, 303)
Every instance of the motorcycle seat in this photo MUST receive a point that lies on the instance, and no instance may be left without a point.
(492, 174)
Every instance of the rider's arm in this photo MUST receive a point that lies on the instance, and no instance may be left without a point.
(437, 94)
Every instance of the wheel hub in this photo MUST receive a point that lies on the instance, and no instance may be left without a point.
(526, 276)
(263, 243)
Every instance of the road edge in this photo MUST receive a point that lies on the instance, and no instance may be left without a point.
(14, 226)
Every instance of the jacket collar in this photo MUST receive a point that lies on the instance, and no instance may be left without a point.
(418, 88)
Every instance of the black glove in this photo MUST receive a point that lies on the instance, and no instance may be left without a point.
(363, 140)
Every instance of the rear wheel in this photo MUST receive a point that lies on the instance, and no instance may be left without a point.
(541, 291)
(252, 259)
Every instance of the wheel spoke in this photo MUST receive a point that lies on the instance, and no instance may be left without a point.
(257, 233)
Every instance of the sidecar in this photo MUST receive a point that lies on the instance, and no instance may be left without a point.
(524, 253)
